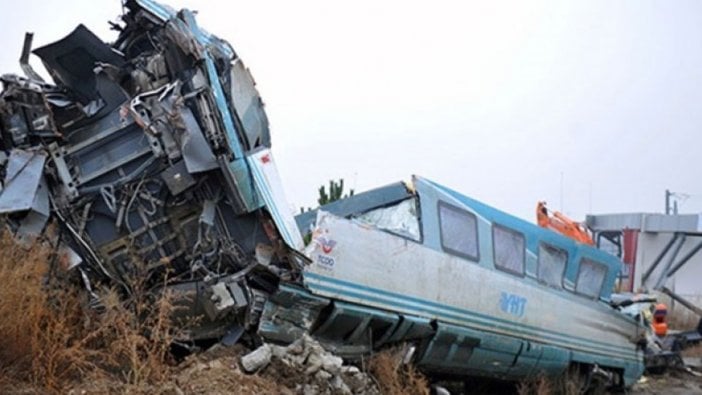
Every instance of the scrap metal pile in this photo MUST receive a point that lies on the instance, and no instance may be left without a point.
(151, 157)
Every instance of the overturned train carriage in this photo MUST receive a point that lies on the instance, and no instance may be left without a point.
(475, 291)
(153, 156)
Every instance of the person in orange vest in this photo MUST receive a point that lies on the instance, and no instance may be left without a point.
(660, 320)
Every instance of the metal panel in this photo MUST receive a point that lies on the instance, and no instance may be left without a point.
(689, 223)
(672, 223)
(270, 188)
(197, 153)
(614, 222)
(21, 182)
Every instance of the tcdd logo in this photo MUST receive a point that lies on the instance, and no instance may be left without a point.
(327, 244)
(325, 261)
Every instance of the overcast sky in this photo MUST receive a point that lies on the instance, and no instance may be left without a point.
(592, 106)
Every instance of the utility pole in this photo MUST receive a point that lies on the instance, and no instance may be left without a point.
(668, 196)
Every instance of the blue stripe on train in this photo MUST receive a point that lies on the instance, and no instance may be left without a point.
(424, 307)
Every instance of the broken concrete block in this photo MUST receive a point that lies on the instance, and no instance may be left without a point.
(340, 386)
(331, 363)
(323, 375)
(310, 389)
(257, 359)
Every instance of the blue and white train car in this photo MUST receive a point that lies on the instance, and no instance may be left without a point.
(476, 291)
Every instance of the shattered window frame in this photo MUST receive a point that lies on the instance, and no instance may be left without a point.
(417, 217)
(459, 212)
(539, 263)
(498, 245)
(588, 292)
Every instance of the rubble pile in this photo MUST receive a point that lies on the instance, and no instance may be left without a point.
(309, 368)
(303, 367)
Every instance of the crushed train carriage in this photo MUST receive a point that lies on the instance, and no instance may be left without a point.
(152, 156)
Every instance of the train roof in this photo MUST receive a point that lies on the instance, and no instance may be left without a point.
(493, 214)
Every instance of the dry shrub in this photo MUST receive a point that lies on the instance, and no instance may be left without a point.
(539, 386)
(41, 331)
(137, 335)
(50, 340)
(394, 377)
(572, 384)
(567, 384)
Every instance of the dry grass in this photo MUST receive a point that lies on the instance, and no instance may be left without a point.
(50, 341)
(393, 377)
(568, 384)
(38, 343)
(539, 386)
(138, 338)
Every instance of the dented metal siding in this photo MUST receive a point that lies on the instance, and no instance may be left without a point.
(146, 153)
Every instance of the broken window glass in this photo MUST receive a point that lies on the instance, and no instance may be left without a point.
(551, 265)
(400, 219)
(459, 231)
(591, 275)
(508, 246)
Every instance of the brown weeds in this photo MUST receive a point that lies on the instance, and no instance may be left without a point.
(567, 384)
(50, 341)
(394, 378)
(40, 331)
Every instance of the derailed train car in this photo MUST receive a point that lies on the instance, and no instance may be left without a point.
(152, 157)
(474, 290)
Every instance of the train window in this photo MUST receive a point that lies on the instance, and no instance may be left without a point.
(508, 249)
(458, 231)
(591, 276)
(400, 219)
(551, 265)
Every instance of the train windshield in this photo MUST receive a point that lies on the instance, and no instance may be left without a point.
(400, 219)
